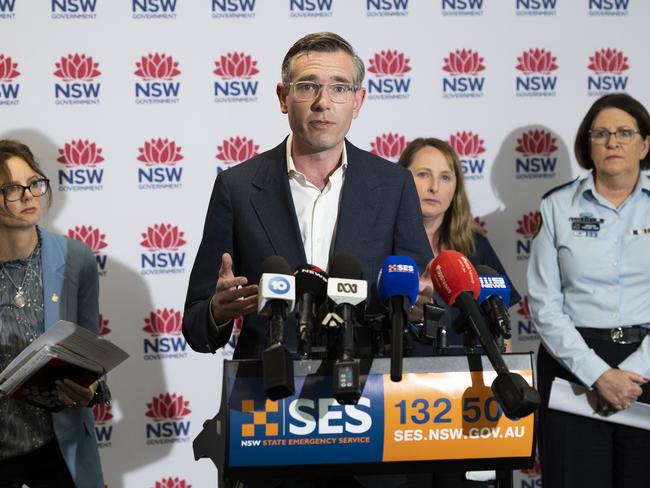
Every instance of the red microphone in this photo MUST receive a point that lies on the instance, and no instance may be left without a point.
(452, 273)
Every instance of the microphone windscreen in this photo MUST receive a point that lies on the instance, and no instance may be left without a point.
(313, 280)
(452, 273)
(492, 283)
(346, 266)
(398, 276)
(276, 265)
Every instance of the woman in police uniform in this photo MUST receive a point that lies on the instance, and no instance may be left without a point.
(589, 283)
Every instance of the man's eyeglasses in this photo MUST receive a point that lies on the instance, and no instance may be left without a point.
(623, 136)
(37, 188)
(308, 91)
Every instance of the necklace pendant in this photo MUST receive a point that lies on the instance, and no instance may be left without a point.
(19, 299)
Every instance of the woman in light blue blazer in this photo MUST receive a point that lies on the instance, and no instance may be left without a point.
(43, 278)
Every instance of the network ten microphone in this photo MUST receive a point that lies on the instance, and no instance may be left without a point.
(398, 283)
(457, 283)
(276, 298)
(346, 289)
(494, 301)
(311, 292)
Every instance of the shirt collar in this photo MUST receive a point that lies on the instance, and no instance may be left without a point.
(587, 186)
(291, 167)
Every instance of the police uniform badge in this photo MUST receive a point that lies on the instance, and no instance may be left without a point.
(585, 225)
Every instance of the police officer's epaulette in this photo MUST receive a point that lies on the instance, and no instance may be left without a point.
(553, 190)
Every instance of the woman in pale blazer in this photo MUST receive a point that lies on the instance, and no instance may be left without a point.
(43, 278)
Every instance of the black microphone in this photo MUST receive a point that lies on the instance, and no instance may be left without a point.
(276, 298)
(494, 300)
(311, 290)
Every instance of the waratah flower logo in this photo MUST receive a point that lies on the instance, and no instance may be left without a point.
(236, 65)
(467, 144)
(80, 153)
(389, 63)
(463, 62)
(157, 66)
(236, 150)
(172, 483)
(535, 471)
(480, 223)
(91, 236)
(102, 413)
(529, 224)
(8, 69)
(103, 325)
(608, 61)
(389, 146)
(160, 151)
(162, 236)
(536, 61)
(168, 406)
(164, 322)
(523, 309)
(537, 141)
(77, 67)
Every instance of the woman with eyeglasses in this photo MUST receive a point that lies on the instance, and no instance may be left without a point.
(589, 287)
(43, 278)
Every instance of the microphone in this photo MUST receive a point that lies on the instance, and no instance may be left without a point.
(457, 282)
(276, 298)
(494, 299)
(311, 289)
(346, 290)
(398, 284)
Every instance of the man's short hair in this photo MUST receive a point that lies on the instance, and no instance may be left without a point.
(324, 42)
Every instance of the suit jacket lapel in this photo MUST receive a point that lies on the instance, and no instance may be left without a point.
(53, 257)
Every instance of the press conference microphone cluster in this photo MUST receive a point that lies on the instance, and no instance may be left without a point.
(457, 283)
(311, 292)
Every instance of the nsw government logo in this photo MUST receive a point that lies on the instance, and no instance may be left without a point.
(609, 8)
(77, 73)
(608, 66)
(162, 242)
(536, 7)
(462, 7)
(94, 239)
(80, 159)
(157, 72)
(537, 160)
(463, 66)
(235, 70)
(74, 9)
(153, 9)
(387, 8)
(9, 88)
(527, 228)
(389, 82)
(103, 413)
(537, 66)
(167, 425)
(469, 147)
(172, 483)
(389, 146)
(165, 339)
(233, 9)
(526, 330)
(310, 8)
(7, 9)
(160, 171)
(235, 150)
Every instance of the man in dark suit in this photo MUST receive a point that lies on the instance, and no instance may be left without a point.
(313, 196)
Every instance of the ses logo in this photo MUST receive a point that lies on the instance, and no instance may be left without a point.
(167, 411)
(80, 159)
(387, 8)
(77, 73)
(8, 88)
(463, 66)
(527, 228)
(94, 239)
(536, 147)
(389, 146)
(165, 335)
(233, 9)
(74, 9)
(613, 8)
(526, 330)
(389, 82)
(7, 9)
(157, 72)
(235, 150)
(160, 171)
(104, 329)
(608, 66)
(103, 413)
(172, 483)
(537, 65)
(153, 9)
(235, 70)
(162, 242)
(469, 146)
(536, 7)
(310, 8)
(462, 7)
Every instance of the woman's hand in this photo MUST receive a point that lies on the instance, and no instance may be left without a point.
(425, 295)
(618, 389)
(74, 395)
